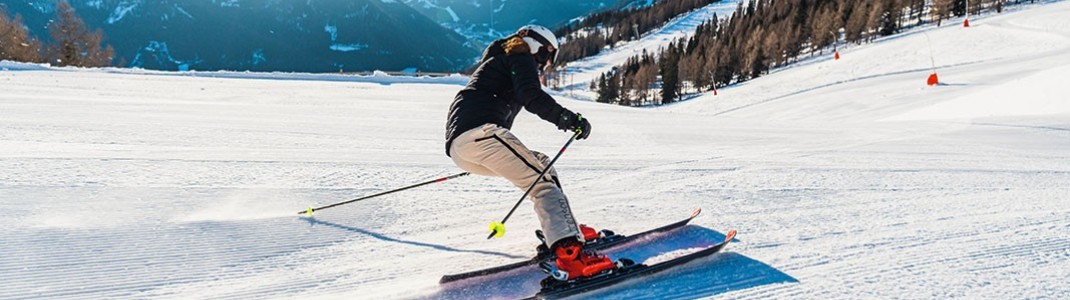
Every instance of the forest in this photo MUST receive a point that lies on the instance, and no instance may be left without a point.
(765, 34)
(594, 33)
(72, 43)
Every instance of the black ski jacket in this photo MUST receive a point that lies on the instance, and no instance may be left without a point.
(499, 88)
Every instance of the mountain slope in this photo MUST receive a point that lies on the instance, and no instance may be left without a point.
(582, 72)
(483, 21)
(996, 50)
(309, 36)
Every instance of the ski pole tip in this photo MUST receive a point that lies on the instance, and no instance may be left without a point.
(497, 229)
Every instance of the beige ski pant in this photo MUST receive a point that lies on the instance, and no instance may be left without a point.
(491, 150)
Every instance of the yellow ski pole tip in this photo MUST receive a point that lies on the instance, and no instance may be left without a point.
(309, 211)
(498, 229)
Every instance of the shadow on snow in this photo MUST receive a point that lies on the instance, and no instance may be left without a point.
(723, 272)
(314, 221)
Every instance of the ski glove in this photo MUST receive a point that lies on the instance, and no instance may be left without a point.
(569, 121)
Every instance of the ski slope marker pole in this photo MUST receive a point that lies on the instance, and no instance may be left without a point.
(497, 229)
(311, 209)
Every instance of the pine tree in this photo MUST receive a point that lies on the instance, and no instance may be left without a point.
(855, 27)
(16, 44)
(958, 8)
(603, 90)
(670, 80)
(613, 91)
(893, 22)
(941, 10)
(74, 44)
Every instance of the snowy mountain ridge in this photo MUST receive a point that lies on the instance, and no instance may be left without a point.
(484, 21)
(264, 35)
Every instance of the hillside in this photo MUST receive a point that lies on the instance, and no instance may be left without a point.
(845, 178)
(580, 73)
(485, 21)
(261, 35)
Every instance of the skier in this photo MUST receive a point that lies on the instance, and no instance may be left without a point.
(478, 138)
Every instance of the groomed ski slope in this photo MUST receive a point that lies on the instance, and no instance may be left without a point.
(846, 179)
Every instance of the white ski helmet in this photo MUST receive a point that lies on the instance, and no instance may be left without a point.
(538, 39)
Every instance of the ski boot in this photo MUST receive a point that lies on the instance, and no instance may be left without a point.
(590, 235)
(573, 262)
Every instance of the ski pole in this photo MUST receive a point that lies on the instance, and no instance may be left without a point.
(498, 228)
(311, 209)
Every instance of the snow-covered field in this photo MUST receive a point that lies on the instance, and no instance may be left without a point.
(846, 179)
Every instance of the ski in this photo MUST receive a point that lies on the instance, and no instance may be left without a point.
(608, 239)
(553, 288)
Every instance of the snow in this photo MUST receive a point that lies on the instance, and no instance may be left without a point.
(332, 30)
(227, 3)
(98, 4)
(121, 11)
(258, 57)
(348, 47)
(453, 15)
(183, 11)
(1031, 95)
(846, 179)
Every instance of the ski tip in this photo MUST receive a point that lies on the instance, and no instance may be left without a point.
(695, 212)
(731, 235)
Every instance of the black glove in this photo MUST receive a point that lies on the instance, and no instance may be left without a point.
(570, 121)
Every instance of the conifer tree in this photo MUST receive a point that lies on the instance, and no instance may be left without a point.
(16, 44)
(73, 43)
(670, 80)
